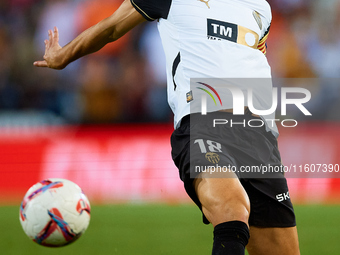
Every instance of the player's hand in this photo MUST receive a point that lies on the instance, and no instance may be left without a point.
(53, 57)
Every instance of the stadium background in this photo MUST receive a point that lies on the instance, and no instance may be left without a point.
(104, 123)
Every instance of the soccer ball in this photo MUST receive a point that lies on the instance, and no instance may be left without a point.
(55, 212)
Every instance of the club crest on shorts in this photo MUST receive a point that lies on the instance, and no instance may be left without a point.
(212, 157)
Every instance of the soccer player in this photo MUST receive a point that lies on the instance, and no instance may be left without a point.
(210, 39)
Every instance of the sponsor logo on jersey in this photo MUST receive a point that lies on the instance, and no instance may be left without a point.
(223, 30)
(220, 30)
(212, 157)
(206, 2)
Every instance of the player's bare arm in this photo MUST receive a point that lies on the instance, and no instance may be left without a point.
(91, 40)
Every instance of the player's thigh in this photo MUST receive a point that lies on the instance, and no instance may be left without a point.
(273, 241)
(222, 199)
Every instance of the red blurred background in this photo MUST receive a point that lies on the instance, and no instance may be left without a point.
(132, 163)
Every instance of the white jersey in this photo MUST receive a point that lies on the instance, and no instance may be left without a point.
(211, 39)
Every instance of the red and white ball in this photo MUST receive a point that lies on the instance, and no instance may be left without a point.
(55, 212)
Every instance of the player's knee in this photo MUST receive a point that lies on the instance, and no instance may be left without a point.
(223, 209)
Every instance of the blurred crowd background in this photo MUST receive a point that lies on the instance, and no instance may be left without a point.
(126, 81)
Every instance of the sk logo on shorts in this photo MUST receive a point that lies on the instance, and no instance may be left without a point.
(212, 157)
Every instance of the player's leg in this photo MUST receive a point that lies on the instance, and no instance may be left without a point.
(272, 220)
(226, 205)
(222, 199)
(273, 241)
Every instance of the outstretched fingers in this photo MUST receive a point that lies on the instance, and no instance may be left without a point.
(50, 38)
(56, 35)
(42, 63)
(51, 45)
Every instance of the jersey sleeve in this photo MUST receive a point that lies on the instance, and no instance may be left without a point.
(152, 9)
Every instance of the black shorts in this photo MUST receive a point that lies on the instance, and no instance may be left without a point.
(196, 146)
